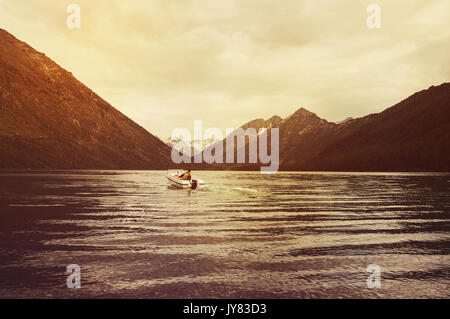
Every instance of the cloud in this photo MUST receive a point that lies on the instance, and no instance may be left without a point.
(166, 63)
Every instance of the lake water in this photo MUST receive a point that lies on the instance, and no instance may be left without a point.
(246, 235)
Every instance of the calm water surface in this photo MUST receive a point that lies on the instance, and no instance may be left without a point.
(247, 235)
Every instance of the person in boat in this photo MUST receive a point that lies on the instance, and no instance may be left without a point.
(186, 176)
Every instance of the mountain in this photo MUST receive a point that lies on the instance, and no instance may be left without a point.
(346, 120)
(413, 135)
(180, 144)
(258, 124)
(51, 120)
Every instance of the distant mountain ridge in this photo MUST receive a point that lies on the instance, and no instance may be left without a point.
(51, 120)
(258, 124)
(412, 135)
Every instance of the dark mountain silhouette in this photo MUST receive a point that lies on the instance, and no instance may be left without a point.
(413, 135)
(48, 119)
(410, 136)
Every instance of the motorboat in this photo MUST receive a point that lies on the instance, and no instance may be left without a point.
(176, 181)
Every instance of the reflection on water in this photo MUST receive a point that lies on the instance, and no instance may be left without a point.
(246, 235)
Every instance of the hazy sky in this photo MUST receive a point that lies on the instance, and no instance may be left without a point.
(167, 63)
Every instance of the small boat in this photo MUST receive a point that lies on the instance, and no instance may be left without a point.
(176, 181)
